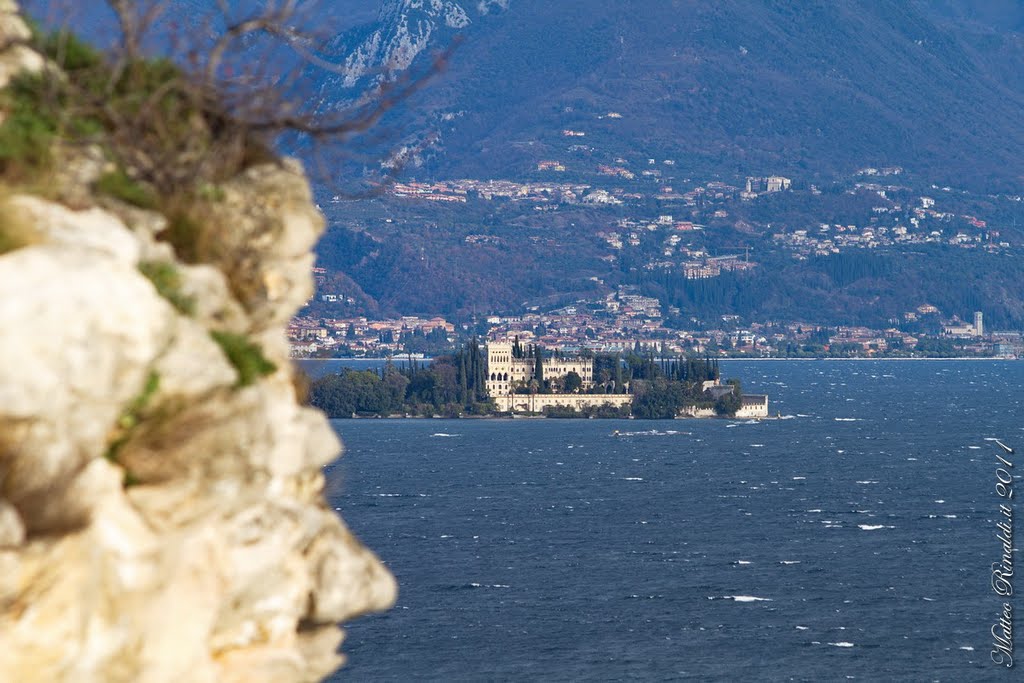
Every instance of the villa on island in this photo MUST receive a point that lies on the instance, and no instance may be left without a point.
(507, 372)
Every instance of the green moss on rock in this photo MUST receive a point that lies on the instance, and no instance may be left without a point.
(246, 356)
(167, 280)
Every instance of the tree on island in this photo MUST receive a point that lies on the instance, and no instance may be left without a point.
(517, 348)
(728, 404)
(572, 383)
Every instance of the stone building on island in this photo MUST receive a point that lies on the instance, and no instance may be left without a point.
(505, 372)
(504, 369)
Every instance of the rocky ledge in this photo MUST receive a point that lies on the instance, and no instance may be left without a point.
(161, 496)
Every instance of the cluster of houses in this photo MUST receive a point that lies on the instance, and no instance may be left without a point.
(360, 336)
(625, 321)
(925, 225)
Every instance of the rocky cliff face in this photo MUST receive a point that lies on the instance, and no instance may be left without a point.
(161, 508)
(404, 29)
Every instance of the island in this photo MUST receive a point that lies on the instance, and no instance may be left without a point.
(508, 378)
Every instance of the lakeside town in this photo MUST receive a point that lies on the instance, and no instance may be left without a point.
(666, 248)
(625, 321)
(649, 225)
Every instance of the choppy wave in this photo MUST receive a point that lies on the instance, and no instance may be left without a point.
(740, 598)
(652, 432)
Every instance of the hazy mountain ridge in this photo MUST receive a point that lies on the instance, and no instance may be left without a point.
(731, 87)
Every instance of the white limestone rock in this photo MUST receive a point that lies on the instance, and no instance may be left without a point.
(158, 522)
(266, 255)
(12, 531)
(93, 229)
(80, 331)
(15, 57)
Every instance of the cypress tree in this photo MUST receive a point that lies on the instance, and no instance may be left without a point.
(480, 372)
(538, 365)
(463, 380)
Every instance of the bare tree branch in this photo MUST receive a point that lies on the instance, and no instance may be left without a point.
(236, 86)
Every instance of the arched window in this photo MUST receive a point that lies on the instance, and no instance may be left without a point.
(492, 377)
(505, 378)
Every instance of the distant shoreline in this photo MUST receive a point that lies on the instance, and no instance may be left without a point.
(384, 359)
(975, 358)
(979, 358)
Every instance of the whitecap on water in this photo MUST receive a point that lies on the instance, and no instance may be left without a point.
(740, 598)
(967, 647)
(442, 434)
(742, 562)
(798, 478)
(846, 419)
(873, 527)
(867, 481)
(841, 644)
(802, 628)
(632, 478)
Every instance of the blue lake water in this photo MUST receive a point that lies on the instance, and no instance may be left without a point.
(851, 540)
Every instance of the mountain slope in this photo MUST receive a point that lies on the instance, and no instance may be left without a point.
(734, 86)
